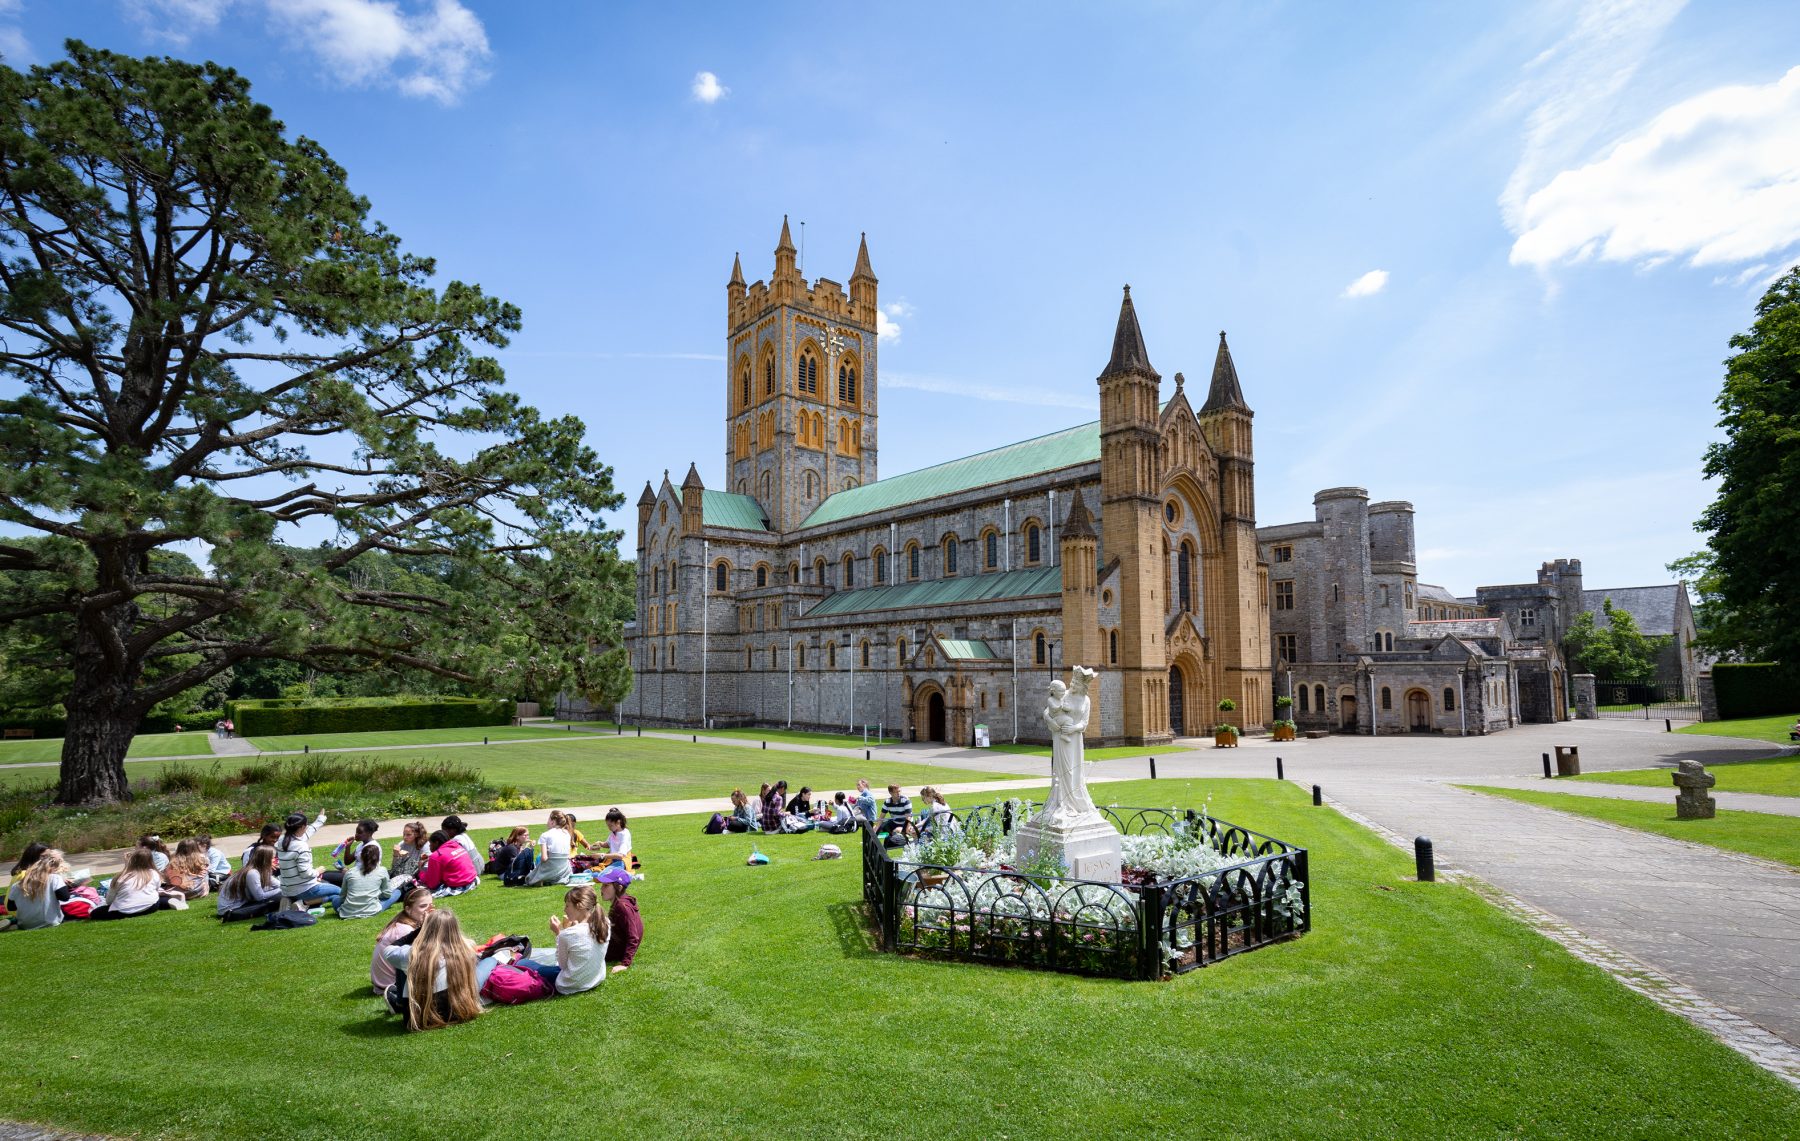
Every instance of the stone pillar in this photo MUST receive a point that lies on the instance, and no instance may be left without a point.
(1709, 697)
(1691, 782)
(1585, 708)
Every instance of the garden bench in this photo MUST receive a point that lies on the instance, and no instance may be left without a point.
(11, 733)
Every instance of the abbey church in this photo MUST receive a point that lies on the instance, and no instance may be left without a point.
(809, 591)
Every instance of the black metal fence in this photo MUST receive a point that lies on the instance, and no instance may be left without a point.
(1645, 701)
(1134, 930)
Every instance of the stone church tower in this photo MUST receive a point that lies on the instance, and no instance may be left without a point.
(800, 374)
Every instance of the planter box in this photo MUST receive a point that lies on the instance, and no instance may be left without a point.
(1225, 740)
(1283, 733)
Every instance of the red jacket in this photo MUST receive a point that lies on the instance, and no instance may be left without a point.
(449, 866)
(627, 930)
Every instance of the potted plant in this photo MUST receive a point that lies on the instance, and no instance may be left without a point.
(1225, 734)
(1283, 725)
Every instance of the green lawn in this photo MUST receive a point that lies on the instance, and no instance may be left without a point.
(144, 745)
(1114, 753)
(1772, 776)
(295, 742)
(794, 737)
(1411, 1010)
(1757, 728)
(1753, 833)
(601, 770)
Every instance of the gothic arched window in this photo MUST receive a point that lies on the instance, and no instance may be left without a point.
(1185, 575)
(722, 577)
(849, 571)
(762, 574)
(807, 376)
(880, 561)
(1039, 648)
(912, 560)
(951, 547)
(846, 383)
(1319, 698)
(1112, 647)
(769, 376)
(1303, 703)
(1033, 543)
(744, 385)
(992, 559)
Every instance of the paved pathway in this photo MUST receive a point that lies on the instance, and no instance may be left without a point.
(1736, 801)
(231, 746)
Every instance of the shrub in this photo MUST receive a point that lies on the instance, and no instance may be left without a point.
(177, 778)
(1755, 689)
(282, 717)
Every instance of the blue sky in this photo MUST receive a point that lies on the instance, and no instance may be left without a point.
(1484, 257)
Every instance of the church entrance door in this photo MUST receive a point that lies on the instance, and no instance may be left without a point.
(1347, 712)
(1177, 722)
(1418, 711)
(934, 717)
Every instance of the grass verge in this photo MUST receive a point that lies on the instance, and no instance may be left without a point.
(1771, 776)
(1113, 753)
(1411, 1010)
(468, 736)
(49, 749)
(1753, 833)
(1756, 728)
(793, 737)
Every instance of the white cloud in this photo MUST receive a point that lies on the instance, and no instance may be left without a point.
(1715, 179)
(708, 89)
(15, 49)
(975, 390)
(1368, 285)
(1573, 87)
(177, 20)
(433, 52)
(887, 321)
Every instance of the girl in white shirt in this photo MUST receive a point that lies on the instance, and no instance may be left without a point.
(581, 936)
(618, 841)
(554, 850)
(137, 890)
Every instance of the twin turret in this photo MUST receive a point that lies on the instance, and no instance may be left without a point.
(787, 286)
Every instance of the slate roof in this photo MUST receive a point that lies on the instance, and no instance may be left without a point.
(1436, 593)
(942, 592)
(729, 509)
(1652, 606)
(1067, 448)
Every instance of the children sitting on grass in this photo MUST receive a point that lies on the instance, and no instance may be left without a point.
(458, 832)
(368, 890)
(138, 890)
(218, 865)
(438, 976)
(896, 816)
(300, 884)
(186, 871)
(554, 850)
(270, 834)
(409, 853)
(581, 934)
(448, 870)
(626, 927)
(346, 853)
(37, 896)
(253, 890)
(618, 841)
(577, 841)
(774, 803)
(415, 905)
(503, 853)
(742, 819)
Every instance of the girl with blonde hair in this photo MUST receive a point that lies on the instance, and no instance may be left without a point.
(138, 890)
(40, 891)
(186, 871)
(253, 890)
(440, 977)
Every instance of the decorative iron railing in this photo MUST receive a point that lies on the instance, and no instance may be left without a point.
(1144, 929)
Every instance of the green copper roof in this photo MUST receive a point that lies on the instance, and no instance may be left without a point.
(1071, 446)
(729, 509)
(967, 649)
(942, 592)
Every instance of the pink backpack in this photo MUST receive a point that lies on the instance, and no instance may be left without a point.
(81, 903)
(512, 985)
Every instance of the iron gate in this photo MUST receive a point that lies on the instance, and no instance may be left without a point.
(1645, 701)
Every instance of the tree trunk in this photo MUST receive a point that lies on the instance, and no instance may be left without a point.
(103, 717)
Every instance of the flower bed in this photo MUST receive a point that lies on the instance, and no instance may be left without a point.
(1195, 890)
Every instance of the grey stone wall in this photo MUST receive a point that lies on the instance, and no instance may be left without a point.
(1586, 708)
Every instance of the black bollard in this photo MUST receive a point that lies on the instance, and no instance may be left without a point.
(1667, 727)
(1152, 768)
(1278, 773)
(1006, 819)
(621, 730)
(696, 738)
(306, 748)
(1422, 857)
(1549, 774)
(765, 746)
(1318, 797)
(866, 754)
(484, 740)
(640, 730)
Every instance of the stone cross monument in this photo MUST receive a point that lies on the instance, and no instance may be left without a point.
(1691, 782)
(1069, 824)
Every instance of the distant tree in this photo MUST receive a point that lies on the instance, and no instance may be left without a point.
(1617, 651)
(204, 337)
(1717, 627)
(1753, 525)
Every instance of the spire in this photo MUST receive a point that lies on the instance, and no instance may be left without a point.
(648, 497)
(1080, 525)
(693, 478)
(787, 238)
(1225, 390)
(863, 269)
(1128, 354)
(737, 271)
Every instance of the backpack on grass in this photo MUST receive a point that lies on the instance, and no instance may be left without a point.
(513, 985)
(716, 825)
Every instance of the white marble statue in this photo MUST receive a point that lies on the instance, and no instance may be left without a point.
(1069, 824)
(1067, 718)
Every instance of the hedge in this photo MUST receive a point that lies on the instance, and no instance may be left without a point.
(56, 727)
(1755, 689)
(282, 716)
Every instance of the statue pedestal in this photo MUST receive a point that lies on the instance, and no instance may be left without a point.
(1087, 844)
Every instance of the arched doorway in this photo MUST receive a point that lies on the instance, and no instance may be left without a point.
(1177, 722)
(934, 717)
(1346, 712)
(1418, 711)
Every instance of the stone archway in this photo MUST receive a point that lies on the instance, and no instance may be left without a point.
(1178, 703)
(931, 713)
(1418, 711)
(1347, 711)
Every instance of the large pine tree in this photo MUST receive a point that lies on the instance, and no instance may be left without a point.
(205, 341)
